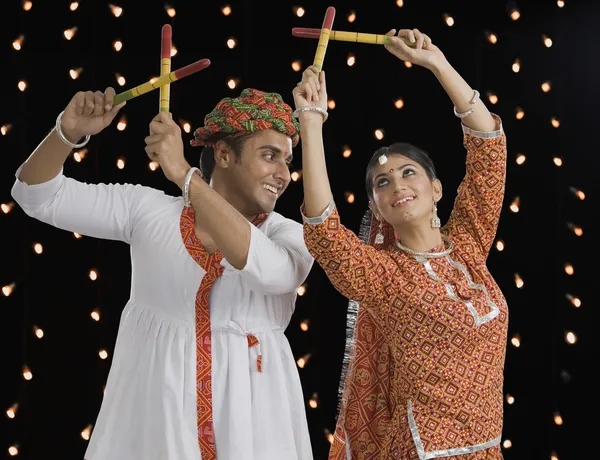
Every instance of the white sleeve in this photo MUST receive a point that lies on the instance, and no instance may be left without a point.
(107, 211)
(278, 263)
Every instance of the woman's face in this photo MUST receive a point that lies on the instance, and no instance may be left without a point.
(403, 193)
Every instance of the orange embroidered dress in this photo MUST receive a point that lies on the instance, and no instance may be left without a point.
(427, 349)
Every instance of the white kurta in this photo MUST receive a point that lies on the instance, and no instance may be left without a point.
(149, 408)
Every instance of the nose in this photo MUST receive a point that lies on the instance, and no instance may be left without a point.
(399, 185)
(282, 173)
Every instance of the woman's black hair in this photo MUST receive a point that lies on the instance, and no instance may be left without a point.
(399, 148)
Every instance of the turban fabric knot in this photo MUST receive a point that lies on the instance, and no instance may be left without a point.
(252, 111)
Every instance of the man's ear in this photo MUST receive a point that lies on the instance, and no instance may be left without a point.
(223, 155)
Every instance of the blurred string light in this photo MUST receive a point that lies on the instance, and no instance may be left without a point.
(73, 6)
(170, 10)
(70, 33)
(18, 43)
(117, 11)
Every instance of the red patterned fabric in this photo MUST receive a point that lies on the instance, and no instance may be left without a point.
(415, 343)
(252, 111)
(211, 263)
(252, 342)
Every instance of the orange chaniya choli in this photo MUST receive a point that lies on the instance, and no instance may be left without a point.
(425, 378)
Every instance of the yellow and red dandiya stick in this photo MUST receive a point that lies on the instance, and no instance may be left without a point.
(324, 37)
(168, 78)
(355, 37)
(165, 66)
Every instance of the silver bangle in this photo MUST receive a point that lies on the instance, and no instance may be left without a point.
(469, 111)
(186, 185)
(62, 137)
(312, 108)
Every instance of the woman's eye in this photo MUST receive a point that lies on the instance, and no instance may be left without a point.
(408, 172)
(382, 182)
(269, 156)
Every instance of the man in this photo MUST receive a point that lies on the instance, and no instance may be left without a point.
(188, 381)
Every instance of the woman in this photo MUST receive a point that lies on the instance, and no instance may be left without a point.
(427, 352)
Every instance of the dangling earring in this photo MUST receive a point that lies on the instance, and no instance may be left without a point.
(435, 220)
(379, 237)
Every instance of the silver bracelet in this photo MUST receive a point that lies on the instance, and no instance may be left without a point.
(312, 108)
(62, 137)
(186, 185)
(469, 111)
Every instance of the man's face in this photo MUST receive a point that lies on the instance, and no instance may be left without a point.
(262, 173)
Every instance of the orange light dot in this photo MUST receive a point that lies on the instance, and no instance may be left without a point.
(296, 176)
(331, 104)
(27, 5)
(170, 11)
(27, 374)
(118, 45)
(346, 152)
(521, 159)
(555, 122)
(299, 11)
(519, 281)
(8, 289)
(231, 43)
(117, 11)
(398, 103)
(449, 20)
(121, 163)
(301, 290)
(351, 16)
(546, 86)
(226, 10)
(520, 113)
(70, 33)
(18, 43)
(6, 207)
(297, 66)
(558, 161)
(4, 129)
(95, 315)
(85, 434)
(379, 134)
(351, 60)
(22, 85)
(515, 14)
(408, 64)
(231, 83)
(492, 38)
(516, 67)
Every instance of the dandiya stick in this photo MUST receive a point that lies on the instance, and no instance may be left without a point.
(165, 66)
(168, 78)
(355, 37)
(324, 37)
